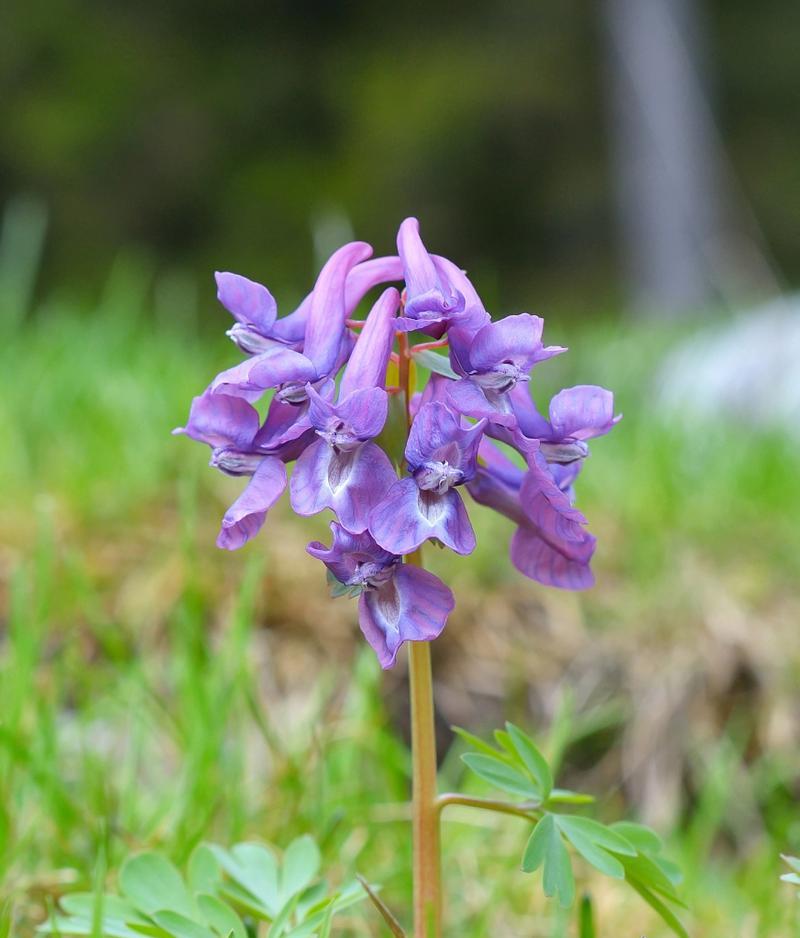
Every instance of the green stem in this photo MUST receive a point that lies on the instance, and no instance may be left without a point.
(521, 809)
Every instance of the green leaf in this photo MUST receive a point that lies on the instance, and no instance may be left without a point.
(203, 873)
(589, 849)
(154, 884)
(326, 924)
(179, 926)
(301, 863)
(532, 759)
(278, 927)
(60, 925)
(545, 846)
(314, 897)
(671, 870)
(504, 740)
(794, 862)
(81, 905)
(565, 796)
(221, 917)
(255, 869)
(643, 838)
(666, 913)
(645, 871)
(501, 775)
(586, 918)
(481, 745)
(434, 362)
(243, 899)
(597, 833)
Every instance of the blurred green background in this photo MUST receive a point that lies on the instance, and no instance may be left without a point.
(156, 691)
(214, 135)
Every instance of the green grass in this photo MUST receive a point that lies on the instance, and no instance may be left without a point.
(157, 692)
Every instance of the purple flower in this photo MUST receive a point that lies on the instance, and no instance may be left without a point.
(492, 362)
(329, 409)
(441, 455)
(246, 516)
(550, 544)
(431, 300)
(257, 328)
(230, 426)
(325, 333)
(342, 470)
(397, 603)
(576, 414)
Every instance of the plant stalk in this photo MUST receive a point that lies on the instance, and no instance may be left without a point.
(425, 810)
(427, 874)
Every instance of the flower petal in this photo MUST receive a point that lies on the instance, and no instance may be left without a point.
(531, 423)
(248, 302)
(474, 315)
(516, 339)
(363, 411)
(411, 607)
(326, 318)
(361, 279)
(252, 377)
(407, 517)
(370, 357)
(473, 401)
(347, 550)
(428, 296)
(582, 412)
(351, 484)
(550, 511)
(247, 514)
(368, 274)
(436, 431)
(537, 559)
(220, 420)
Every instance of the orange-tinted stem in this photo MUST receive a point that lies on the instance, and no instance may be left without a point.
(424, 806)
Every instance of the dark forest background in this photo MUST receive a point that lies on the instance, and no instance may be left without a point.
(219, 135)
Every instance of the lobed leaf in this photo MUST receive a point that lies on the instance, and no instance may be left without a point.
(532, 759)
(221, 917)
(646, 871)
(546, 848)
(67, 925)
(596, 832)
(643, 838)
(153, 884)
(480, 745)
(203, 873)
(301, 863)
(254, 868)
(590, 850)
(179, 926)
(660, 907)
(794, 862)
(501, 774)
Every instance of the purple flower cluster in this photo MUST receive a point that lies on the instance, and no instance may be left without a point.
(474, 426)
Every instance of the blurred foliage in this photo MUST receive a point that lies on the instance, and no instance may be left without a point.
(215, 135)
(156, 691)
